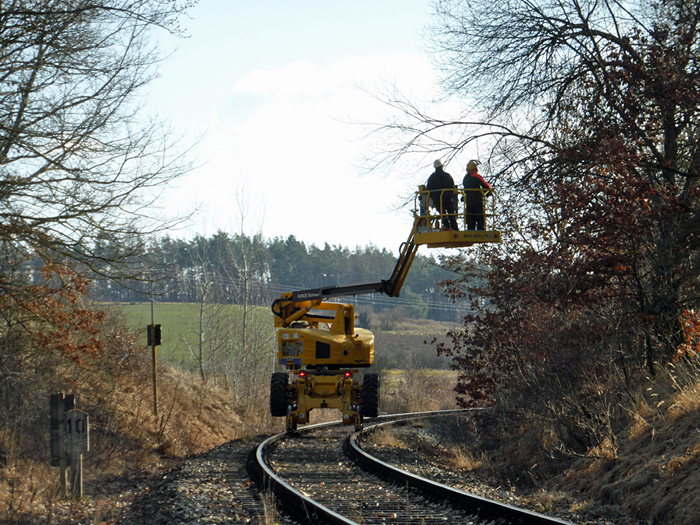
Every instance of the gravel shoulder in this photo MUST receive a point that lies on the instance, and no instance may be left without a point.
(421, 449)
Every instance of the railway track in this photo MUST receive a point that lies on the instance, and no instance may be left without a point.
(321, 475)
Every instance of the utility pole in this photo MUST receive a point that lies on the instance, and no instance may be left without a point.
(155, 364)
(154, 339)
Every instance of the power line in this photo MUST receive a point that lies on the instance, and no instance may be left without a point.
(373, 299)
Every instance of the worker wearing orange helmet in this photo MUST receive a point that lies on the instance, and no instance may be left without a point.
(473, 184)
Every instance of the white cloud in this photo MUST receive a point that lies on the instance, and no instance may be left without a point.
(305, 81)
(294, 151)
(274, 86)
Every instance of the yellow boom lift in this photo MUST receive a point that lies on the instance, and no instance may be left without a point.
(317, 340)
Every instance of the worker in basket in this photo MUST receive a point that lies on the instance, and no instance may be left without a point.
(474, 184)
(443, 201)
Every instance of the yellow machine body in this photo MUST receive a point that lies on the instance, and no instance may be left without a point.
(339, 391)
(327, 337)
(317, 341)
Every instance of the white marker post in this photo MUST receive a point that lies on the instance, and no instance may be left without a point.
(76, 429)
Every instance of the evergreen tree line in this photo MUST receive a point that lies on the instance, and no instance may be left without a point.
(242, 269)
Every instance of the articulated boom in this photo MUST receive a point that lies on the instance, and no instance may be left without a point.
(317, 341)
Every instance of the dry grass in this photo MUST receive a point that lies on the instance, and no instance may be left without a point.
(127, 440)
(417, 390)
(420, 326)
(655, 475)
(386, 437)
(270, 515)
(685, 402)
(462, 458)
(650, 473)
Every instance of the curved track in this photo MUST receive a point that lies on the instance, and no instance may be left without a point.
(321, 475)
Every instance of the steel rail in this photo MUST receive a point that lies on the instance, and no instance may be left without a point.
(304, 508)
(483, 507)
(299, 504)
(296, 503)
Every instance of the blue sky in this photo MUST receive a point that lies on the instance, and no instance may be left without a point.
(273, 87)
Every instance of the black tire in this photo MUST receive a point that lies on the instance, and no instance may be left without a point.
(278, 394)
(370, 395)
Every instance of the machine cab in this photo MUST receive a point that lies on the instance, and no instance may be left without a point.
(326, 338)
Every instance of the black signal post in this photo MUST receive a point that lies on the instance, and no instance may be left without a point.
(153, 334)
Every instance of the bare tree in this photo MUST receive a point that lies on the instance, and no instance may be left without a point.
(79, 163)
(590, 113)
(204, 286)
(234, 331)
(522, 69)
(251, 345)
(252, 342)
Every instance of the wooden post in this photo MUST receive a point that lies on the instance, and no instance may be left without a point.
(77, 442)
(63, 457)
(153, 336)
(70, 438)
(155, 378)
(77, 483)
(155, 360)
(153, 332)
(59, 405)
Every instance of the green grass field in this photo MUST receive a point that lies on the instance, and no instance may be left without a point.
(180, 332)
(179, 325)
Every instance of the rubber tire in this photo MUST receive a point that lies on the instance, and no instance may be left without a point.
(370, 395)
(278, 394)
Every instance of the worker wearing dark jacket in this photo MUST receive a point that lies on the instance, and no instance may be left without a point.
(473, 184)
(438, 181)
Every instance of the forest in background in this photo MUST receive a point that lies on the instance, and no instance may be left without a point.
(241, 269)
